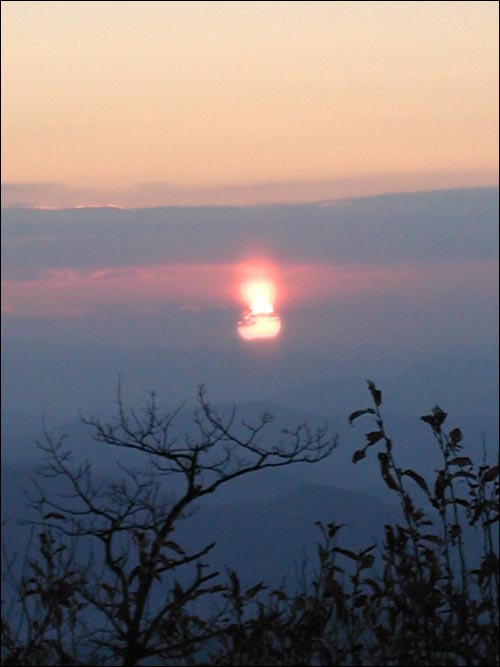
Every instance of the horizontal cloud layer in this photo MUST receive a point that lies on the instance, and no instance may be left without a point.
(422, 227)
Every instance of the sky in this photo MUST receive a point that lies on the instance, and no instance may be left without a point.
(205, 103)
(427, 262)
(401, 289)
(188, 177)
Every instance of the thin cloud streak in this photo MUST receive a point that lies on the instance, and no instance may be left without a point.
(194, 287)
(50, 195)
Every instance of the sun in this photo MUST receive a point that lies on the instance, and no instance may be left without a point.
(259, 319)
(259, 295)
(261, 325)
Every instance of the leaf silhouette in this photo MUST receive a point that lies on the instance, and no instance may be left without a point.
(461, 461)
(252, 592)
(374, 436)
(376, 393)
(358, 455)
(417, 478)
(359, 413)
(442, 482)
(347, 552)
(332, 589)
(367, 561)
(436, 419)
(490, 474)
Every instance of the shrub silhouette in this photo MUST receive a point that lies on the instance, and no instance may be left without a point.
(416, 599)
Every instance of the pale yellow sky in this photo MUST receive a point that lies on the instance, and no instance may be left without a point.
(108, 95)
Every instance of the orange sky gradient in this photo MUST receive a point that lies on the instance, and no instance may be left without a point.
(157, 103)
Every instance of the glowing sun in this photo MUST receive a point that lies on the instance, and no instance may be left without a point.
(259, 320)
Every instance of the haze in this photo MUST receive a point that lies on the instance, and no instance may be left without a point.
(377, 284)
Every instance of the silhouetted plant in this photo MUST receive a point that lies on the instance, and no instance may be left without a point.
(414, 600)
(134, 589)
(418, 598)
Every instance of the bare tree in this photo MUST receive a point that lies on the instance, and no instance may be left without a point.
(139, 601)
(113, 584)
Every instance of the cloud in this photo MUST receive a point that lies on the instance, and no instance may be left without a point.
(57, 195)
(46, 195)
(428, 227)
(195, 287)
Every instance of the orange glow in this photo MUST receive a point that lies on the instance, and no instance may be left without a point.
(259, 291)
(194, 288)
